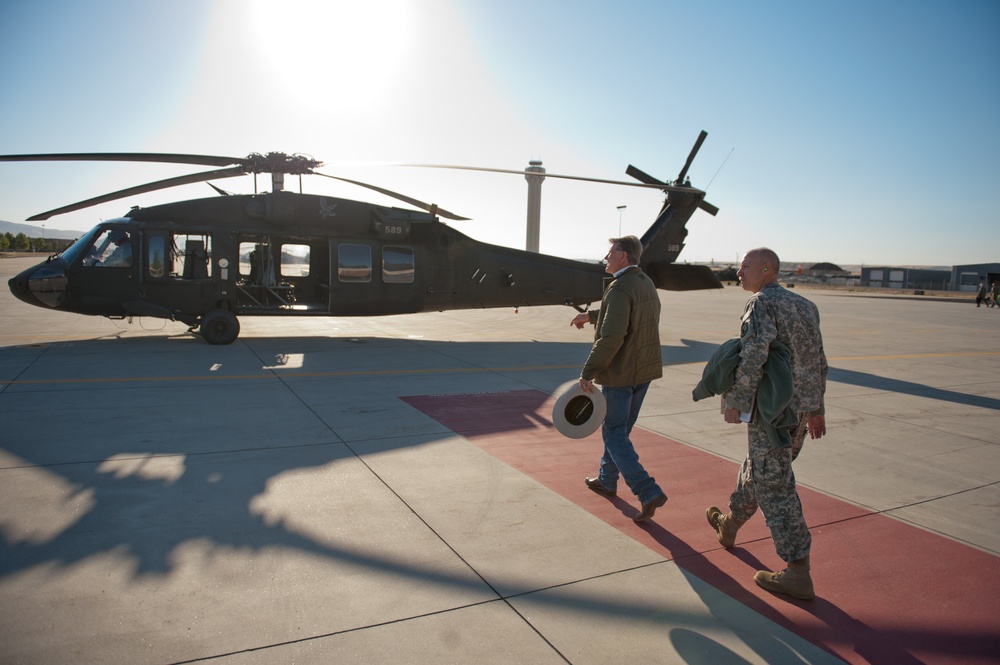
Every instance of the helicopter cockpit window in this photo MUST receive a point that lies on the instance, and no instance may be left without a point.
(397, 265)
(112, 248)
(294, 260)
(79, 247)
(355, 263)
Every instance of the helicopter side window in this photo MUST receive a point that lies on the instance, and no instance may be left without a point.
(294, 260)
(192, 255)
(397, 265)
(157, 259)
(355, 263)
(256, 266)
(112, 248)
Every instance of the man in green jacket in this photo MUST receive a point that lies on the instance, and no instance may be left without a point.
(624, 359)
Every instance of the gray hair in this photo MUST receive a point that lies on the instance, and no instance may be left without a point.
(631, 245)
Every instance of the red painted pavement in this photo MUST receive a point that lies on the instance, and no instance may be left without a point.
(887, 592)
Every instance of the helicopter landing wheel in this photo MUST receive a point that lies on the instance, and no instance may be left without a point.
(220, 326)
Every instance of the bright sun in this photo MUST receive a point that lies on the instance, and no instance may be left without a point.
(343, 52)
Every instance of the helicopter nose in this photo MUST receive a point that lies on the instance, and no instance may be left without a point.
(43, 285)
(19, 286)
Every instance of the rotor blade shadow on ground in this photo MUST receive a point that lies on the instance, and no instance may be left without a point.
(886, 384)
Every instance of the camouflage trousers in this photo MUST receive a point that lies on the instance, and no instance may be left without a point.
(767, 482)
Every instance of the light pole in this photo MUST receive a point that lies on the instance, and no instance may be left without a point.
(620, 209)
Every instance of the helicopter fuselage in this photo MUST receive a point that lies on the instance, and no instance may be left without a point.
(204, 262)
(207, 261)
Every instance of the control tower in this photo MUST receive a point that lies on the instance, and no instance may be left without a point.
(534, 203)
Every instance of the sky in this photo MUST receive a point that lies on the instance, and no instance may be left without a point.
(854, 132)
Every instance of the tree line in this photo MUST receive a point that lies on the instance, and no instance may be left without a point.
(22, 243)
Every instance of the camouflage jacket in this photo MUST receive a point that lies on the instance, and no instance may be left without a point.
(626, 349)
(774, 313)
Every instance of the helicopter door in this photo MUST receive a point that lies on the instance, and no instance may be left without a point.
(372, 280)
(179, 272)
(106, 274)
(399, 279)
(351, 287)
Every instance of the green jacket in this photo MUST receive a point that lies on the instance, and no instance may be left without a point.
(626, 349)
(771, 406)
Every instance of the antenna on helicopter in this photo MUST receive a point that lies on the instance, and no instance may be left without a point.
(720, 168)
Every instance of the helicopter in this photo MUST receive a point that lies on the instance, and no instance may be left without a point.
(206, 262)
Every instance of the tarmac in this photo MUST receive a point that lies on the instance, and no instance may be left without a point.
(392, 490)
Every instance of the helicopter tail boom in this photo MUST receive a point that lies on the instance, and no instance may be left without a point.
(663, 242)
(664, 239)
(681, 277)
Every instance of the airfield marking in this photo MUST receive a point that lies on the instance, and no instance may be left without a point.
(899, 356)
(271, 372)
(869, 610)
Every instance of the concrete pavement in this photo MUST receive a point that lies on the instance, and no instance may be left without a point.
(391, 490)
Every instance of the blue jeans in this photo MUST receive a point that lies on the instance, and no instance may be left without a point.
(619, 454)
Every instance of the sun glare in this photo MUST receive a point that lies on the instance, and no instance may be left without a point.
(324, 52)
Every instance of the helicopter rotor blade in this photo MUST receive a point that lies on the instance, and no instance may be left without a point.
(303, 164)
(272, 162)
(221, 191)
(694, 151)
(431, 208)
(645, 177)
(642, 176)
(163, 157)
(142, 189)
(657, 185)
(709, 208)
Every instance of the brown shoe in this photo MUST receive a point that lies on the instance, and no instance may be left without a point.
(793, 580)
(596, 485)
(725, 526)
(649, 508)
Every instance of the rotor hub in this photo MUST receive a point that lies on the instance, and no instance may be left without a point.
(279, 162)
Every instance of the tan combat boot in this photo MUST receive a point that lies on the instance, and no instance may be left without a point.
(725, 526)
(793, 580)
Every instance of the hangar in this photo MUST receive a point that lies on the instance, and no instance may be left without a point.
(968, 277)
(906, 278)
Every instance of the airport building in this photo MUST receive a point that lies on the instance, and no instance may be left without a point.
(906, 278)
(968, 277)
(959, 278)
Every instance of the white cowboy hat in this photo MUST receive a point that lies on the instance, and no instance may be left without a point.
(577, 414)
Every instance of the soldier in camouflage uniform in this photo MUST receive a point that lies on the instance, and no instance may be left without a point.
(766, 479)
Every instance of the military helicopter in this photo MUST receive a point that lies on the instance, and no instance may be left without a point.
(205, 262)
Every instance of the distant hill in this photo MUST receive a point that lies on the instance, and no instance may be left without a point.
(37, 231)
